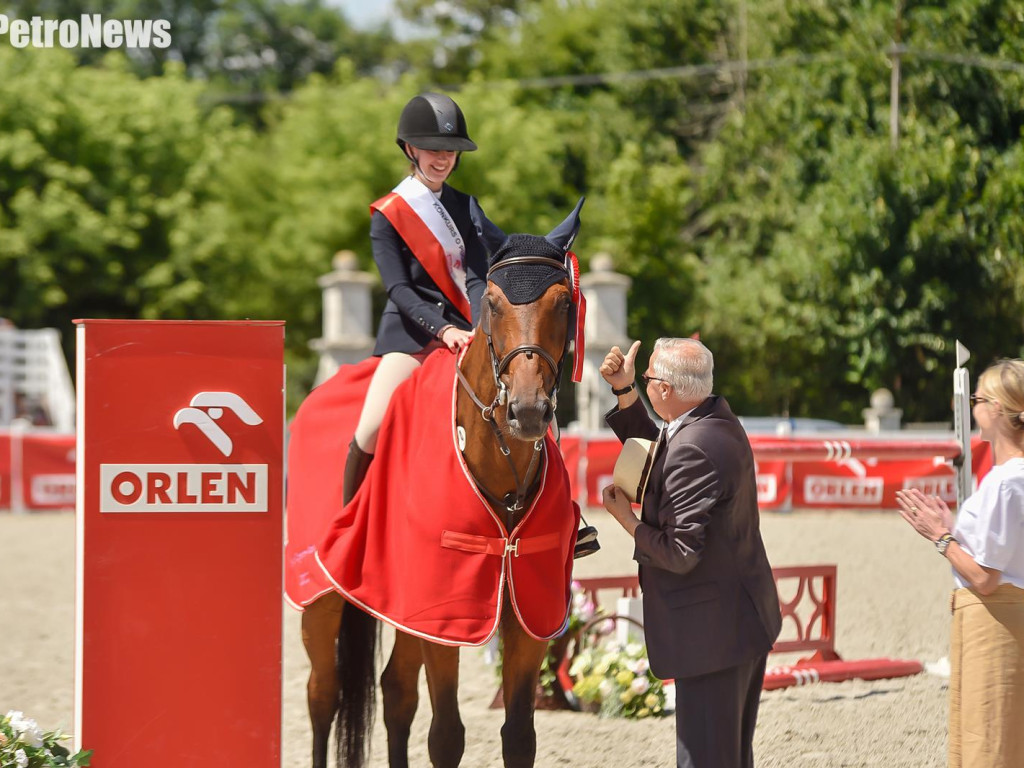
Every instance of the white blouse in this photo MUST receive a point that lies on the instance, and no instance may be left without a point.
(990, 526)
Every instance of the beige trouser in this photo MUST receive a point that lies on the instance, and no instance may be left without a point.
(394, 368)
(986, 682)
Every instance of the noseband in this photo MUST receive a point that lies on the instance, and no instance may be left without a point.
(498, 367)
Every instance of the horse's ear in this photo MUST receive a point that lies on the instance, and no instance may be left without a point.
(563, 235)
(489, 233)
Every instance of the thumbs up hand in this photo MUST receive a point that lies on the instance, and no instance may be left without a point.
(619, 369)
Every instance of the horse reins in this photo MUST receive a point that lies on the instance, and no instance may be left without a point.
(514, 502)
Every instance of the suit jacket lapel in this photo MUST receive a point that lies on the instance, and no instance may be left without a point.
(649, 511)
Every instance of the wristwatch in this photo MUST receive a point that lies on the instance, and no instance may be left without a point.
(624, 390)
(942, 543)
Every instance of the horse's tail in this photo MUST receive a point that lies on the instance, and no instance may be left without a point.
(357, 684)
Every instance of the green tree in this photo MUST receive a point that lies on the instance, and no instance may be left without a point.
(833, 265)
(96, 175)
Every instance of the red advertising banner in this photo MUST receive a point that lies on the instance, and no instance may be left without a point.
(590, 462)
(47, 476)
(179, 543)
(872, 484)
(773, 484)
(48, 464)
(5, 471)
(845, 482)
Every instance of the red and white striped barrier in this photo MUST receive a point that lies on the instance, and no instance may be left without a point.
(805, 673)
(768, 449)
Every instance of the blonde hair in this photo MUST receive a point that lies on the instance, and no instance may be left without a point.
(1004, 382)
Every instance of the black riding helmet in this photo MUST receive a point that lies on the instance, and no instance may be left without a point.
(433, 121)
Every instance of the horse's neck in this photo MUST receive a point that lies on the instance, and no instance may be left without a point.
(491, 468)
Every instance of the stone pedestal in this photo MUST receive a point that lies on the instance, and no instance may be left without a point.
(882, 416)
(605, 327)
(348, 319)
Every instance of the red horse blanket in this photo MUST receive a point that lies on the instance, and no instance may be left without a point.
(318, 439)
(420, 548)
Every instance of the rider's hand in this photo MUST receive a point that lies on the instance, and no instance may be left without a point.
(619, 369)
(456, 339)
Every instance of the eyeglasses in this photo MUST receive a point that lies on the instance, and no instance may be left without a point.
(648, 379)
(975, 399)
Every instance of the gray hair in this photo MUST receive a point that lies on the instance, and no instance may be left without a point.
(687, 365)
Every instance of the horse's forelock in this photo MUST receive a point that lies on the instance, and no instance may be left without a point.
(526, 283)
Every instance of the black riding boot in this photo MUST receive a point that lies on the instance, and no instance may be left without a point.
(356, 464)
(586, 541)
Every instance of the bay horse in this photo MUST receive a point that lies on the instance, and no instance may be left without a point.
(505, 404)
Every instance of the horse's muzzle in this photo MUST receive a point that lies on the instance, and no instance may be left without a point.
(529, 420)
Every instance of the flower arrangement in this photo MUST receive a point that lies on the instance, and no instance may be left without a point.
(581, 611)
(23, 744)
(611, 679)
(581, 608)
(618, 681)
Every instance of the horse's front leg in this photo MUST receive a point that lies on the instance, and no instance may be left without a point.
(447, 740)
(521, 661)
(400, 688)
(320, 622)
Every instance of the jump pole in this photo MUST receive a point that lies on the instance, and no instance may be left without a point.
(962, 424)
(179, 543)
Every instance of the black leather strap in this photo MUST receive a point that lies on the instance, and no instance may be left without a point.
(624, 390)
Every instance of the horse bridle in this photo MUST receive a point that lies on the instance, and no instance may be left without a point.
(514, 502)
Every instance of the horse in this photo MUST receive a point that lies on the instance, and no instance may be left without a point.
(505, 403)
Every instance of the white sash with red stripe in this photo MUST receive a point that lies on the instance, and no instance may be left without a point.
(430, 233)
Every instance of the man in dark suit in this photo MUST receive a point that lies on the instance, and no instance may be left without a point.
(711, 610)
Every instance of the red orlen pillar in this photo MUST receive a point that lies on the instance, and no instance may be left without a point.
(179, 543)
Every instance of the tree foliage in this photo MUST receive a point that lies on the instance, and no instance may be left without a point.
(763, 206)
(96, 176)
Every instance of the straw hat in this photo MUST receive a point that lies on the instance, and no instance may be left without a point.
(633, 467)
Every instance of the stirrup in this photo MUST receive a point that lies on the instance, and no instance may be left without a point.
(586, 534)
(586, 542)
(585, 548)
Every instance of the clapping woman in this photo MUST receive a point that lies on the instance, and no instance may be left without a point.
(985, 547)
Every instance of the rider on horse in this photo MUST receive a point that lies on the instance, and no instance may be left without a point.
(431, 262)
(433, 267)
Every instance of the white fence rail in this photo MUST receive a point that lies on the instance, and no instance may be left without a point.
(34, 380)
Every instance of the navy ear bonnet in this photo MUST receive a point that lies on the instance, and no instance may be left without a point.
(525, 283)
